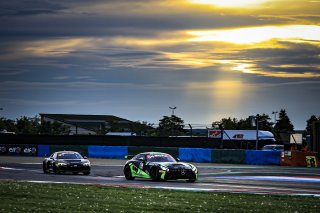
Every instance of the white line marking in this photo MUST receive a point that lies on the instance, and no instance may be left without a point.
(272, 178)
(107, 165)
(31, 163)
(7, 168)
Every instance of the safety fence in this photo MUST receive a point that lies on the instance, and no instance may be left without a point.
(203, 155)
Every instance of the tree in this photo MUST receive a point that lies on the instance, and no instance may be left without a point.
(264, 122)
(7, 124)
(114, 126)
(312, 119)
(171, 126)
(59, 129)
(141, 128)
(27, 125)
(245, 124)
(283, 127)
(283, 124)
(55, 128)
(228, 123)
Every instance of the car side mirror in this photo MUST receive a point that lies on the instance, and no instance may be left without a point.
(85, 157)
(142, 159)
(178, 159)
(128, 157)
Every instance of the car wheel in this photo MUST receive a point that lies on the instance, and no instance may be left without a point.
(55, 169)
(127, 173)
(44, 168)
(154, 173)
(86, 173)
(191, 181)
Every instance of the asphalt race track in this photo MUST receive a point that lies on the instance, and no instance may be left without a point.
(212, 177)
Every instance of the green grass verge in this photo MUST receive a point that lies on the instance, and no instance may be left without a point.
(34, 197)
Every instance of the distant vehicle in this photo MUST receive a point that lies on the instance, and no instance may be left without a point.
(241, 135)
(6, 132)
(159, 166)
(273, 147)
(66, 161)
(122, 133)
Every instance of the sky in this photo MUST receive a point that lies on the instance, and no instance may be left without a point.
(211, 59)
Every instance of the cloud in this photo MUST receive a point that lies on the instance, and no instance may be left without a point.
(254, 35)
(139, 53)
(28, 7)
(294, 60)
(102, 18)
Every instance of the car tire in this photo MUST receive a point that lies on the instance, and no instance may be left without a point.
(86, 173)
(127, 173)
(44, 168)
(55, 169)
(154, 173)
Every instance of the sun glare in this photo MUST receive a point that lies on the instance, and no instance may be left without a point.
(229, 3)
(258, 34)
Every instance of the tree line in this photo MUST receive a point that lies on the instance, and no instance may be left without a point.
(32, 125)
(168, 125)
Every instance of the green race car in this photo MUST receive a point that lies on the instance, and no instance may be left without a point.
(159, 166)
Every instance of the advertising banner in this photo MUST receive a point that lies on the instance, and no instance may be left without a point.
(311, 161)
(213, 133)
(241, 134)
(3, 149)
(21, 149)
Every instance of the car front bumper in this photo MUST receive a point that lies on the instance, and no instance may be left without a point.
(73, 168)
(177, 174)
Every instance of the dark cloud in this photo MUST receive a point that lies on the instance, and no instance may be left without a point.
(28, 7)
(85, 57)
(111, 25)
(295, 58)
(125, 18)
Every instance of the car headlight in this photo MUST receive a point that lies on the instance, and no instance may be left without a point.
(86, 163)
(163, 168)
(194, 169)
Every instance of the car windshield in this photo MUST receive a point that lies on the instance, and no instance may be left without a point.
(273, 147)
(69, 156)
(160, 158)
(279, 148)
(268, 148)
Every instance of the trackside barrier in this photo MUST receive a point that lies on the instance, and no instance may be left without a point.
(82, 149)
(255, 157)
(195, 155)
(258, 157)
(116, 152)
(228, 156)
(133, 150)
(43, 150)
(298, 158)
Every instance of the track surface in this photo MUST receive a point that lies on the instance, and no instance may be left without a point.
(213, 177)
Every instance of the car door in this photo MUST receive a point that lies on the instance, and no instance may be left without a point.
(51, 161)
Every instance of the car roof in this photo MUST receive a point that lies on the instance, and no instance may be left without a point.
(67, 152)
(154, 153)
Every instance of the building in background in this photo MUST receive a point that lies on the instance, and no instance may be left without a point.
(89, 124)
